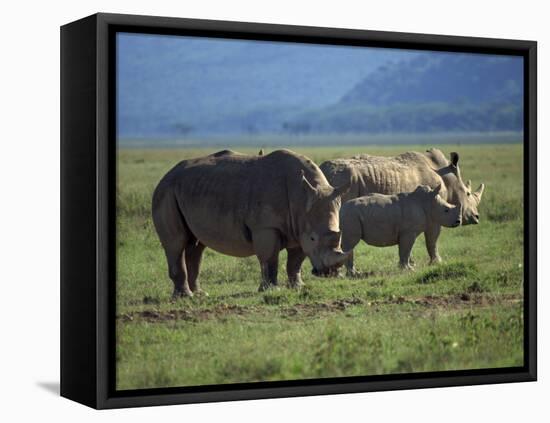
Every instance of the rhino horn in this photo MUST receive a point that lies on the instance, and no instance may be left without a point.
(479, 192)
(469, 184)
(336, 258)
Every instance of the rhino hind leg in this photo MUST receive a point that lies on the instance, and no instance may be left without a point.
(406, 243)
(175, 237)
(177, 270)
(294, 261)
(193, 257)
(267, 245)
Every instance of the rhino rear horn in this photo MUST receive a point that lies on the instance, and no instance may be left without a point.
(469, 184)
(454, 158)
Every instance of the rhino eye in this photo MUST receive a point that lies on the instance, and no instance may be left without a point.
(446, 210)
(469, 194)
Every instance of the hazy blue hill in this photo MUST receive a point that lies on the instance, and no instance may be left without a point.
(429, 93)
(177, 87)
(446, 77)
(170, 86)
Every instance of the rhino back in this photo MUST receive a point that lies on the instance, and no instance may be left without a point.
(386, 175)
(375, 209)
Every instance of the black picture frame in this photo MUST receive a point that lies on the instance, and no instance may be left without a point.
(88, 147)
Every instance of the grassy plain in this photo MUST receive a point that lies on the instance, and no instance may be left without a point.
(466, 313)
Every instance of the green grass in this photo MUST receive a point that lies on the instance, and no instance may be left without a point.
(465, 313)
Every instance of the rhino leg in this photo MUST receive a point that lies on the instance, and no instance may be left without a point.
(193, 257)
(351, 235)
(177, 270)
(406, 242)
(267, 244)
(269, 274)
(431, 235)
(351, 271)
(174, 236)
(294, 262)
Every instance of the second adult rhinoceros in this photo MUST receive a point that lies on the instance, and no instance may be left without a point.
(243, 205)
(368, 174)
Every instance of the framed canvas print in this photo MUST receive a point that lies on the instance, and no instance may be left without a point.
(255, 211)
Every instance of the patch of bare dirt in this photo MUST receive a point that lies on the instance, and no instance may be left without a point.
(430, 301)
(312, 309)
(188, 315)
(463, 299)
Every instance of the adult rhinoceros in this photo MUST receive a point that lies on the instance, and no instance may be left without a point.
(243, 205)
(391, 175)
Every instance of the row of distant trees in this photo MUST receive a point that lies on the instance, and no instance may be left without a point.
(433, 117)
(430, 117)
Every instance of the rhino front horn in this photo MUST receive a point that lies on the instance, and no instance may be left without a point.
(479, 192)
(336, 258)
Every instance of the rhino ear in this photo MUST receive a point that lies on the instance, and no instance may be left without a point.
(454, 158)
(311, 192)
(436, 190)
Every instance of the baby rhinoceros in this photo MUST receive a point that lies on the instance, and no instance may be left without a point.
(385, 220)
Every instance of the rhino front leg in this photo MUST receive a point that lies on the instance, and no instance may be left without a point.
(351, 270)
(293, 266)
(431, 235)
(269, 274)
(406, 242)
(267, 245)
(351, 236)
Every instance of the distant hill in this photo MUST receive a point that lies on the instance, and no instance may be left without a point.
(428, 93)
(446, 77)
(180, 86)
